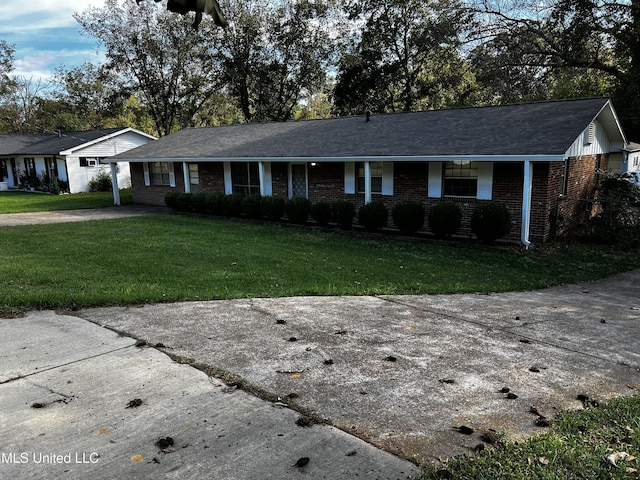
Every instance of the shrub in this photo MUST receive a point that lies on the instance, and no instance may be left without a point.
(373, 216)
(101, 182)
(183, 202)
(445, 219)
(297, 210)
(321, 213)
(171, 199)
(408, 216)
(342, 213)
(251, 206)
(273, 207)
(216, 203)
(233, 205)
(198, 203)
(490, 221)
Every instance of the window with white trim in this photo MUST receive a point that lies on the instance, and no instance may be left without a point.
(245, 178)
(461, 178)
(160, 173)
(376, 177)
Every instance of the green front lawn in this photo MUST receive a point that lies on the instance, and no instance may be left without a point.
(21, 202)
(169, 258)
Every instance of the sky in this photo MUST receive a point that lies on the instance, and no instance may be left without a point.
(45, 35)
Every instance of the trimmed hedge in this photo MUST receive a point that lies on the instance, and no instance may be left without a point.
(373, 216)
(321, 213)
(297, 210)
(445, 219)
(408, 217)
(342, 213)
(490, 221)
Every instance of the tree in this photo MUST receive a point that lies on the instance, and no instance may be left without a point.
(158, 57)
(19, 110)
(596, 42)
(405, 57)
(6, 67)
(274, 53)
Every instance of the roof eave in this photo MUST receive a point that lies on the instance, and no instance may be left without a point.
(366, 158)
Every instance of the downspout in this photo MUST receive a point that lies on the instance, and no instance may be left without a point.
(114, 183)
(526, 204)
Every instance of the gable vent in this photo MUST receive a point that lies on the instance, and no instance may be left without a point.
(590, 134)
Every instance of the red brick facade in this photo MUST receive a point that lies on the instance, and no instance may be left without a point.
(326, 183)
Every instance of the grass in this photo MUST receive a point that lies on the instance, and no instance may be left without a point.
(577, 447)
(171, 258)
(21, 202)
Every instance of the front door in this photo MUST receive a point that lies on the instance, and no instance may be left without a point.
(299, 180)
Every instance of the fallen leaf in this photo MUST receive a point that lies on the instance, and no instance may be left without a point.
(104, 431)
(295, 376)
(447, 380)
(631, 470)
(137, 458)
(301, 462)
(411, 328)
(615, 457)
(328, 362)
(134, 403)
(164, 443)
(543, 460)
(391, 358)
(504, 390)
(511, 396)
(632, 386)
(464, 429)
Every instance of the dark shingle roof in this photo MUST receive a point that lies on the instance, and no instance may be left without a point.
(49, 144)
(546, 128)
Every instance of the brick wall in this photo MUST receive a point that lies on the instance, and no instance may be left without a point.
(154, 194)
(326, 184)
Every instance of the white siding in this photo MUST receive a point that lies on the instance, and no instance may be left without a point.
(79, 177)
(600, 143)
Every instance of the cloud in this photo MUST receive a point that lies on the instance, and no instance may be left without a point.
(46, 35)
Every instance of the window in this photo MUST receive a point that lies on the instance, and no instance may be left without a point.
(461, 179)
(160, 173)
(52, 167)
(90, 161)
(4, 172)
(376, 177)
(30, 167)
(245, 178)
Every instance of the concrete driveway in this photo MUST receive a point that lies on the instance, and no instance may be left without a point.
(402, 371)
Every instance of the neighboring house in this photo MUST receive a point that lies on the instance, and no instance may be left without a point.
(631, 162)
(74, 158)
(526, 156)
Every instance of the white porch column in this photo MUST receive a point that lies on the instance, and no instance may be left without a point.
(185, 175)
(526, 203)
(367, 182)
(114, 183)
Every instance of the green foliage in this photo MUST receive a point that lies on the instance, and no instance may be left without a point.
(342, 213)
(321, 213)
(408, 216)
(405, 58)
(20, 202)
(233, 205)
(373, 216)
(101, 182)
(617, 221)
(297, 210)
(490, 221)
(273, 207)
(251, 206)
(171, 200)
(577, 447)
(172, 257)
(445, 219)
